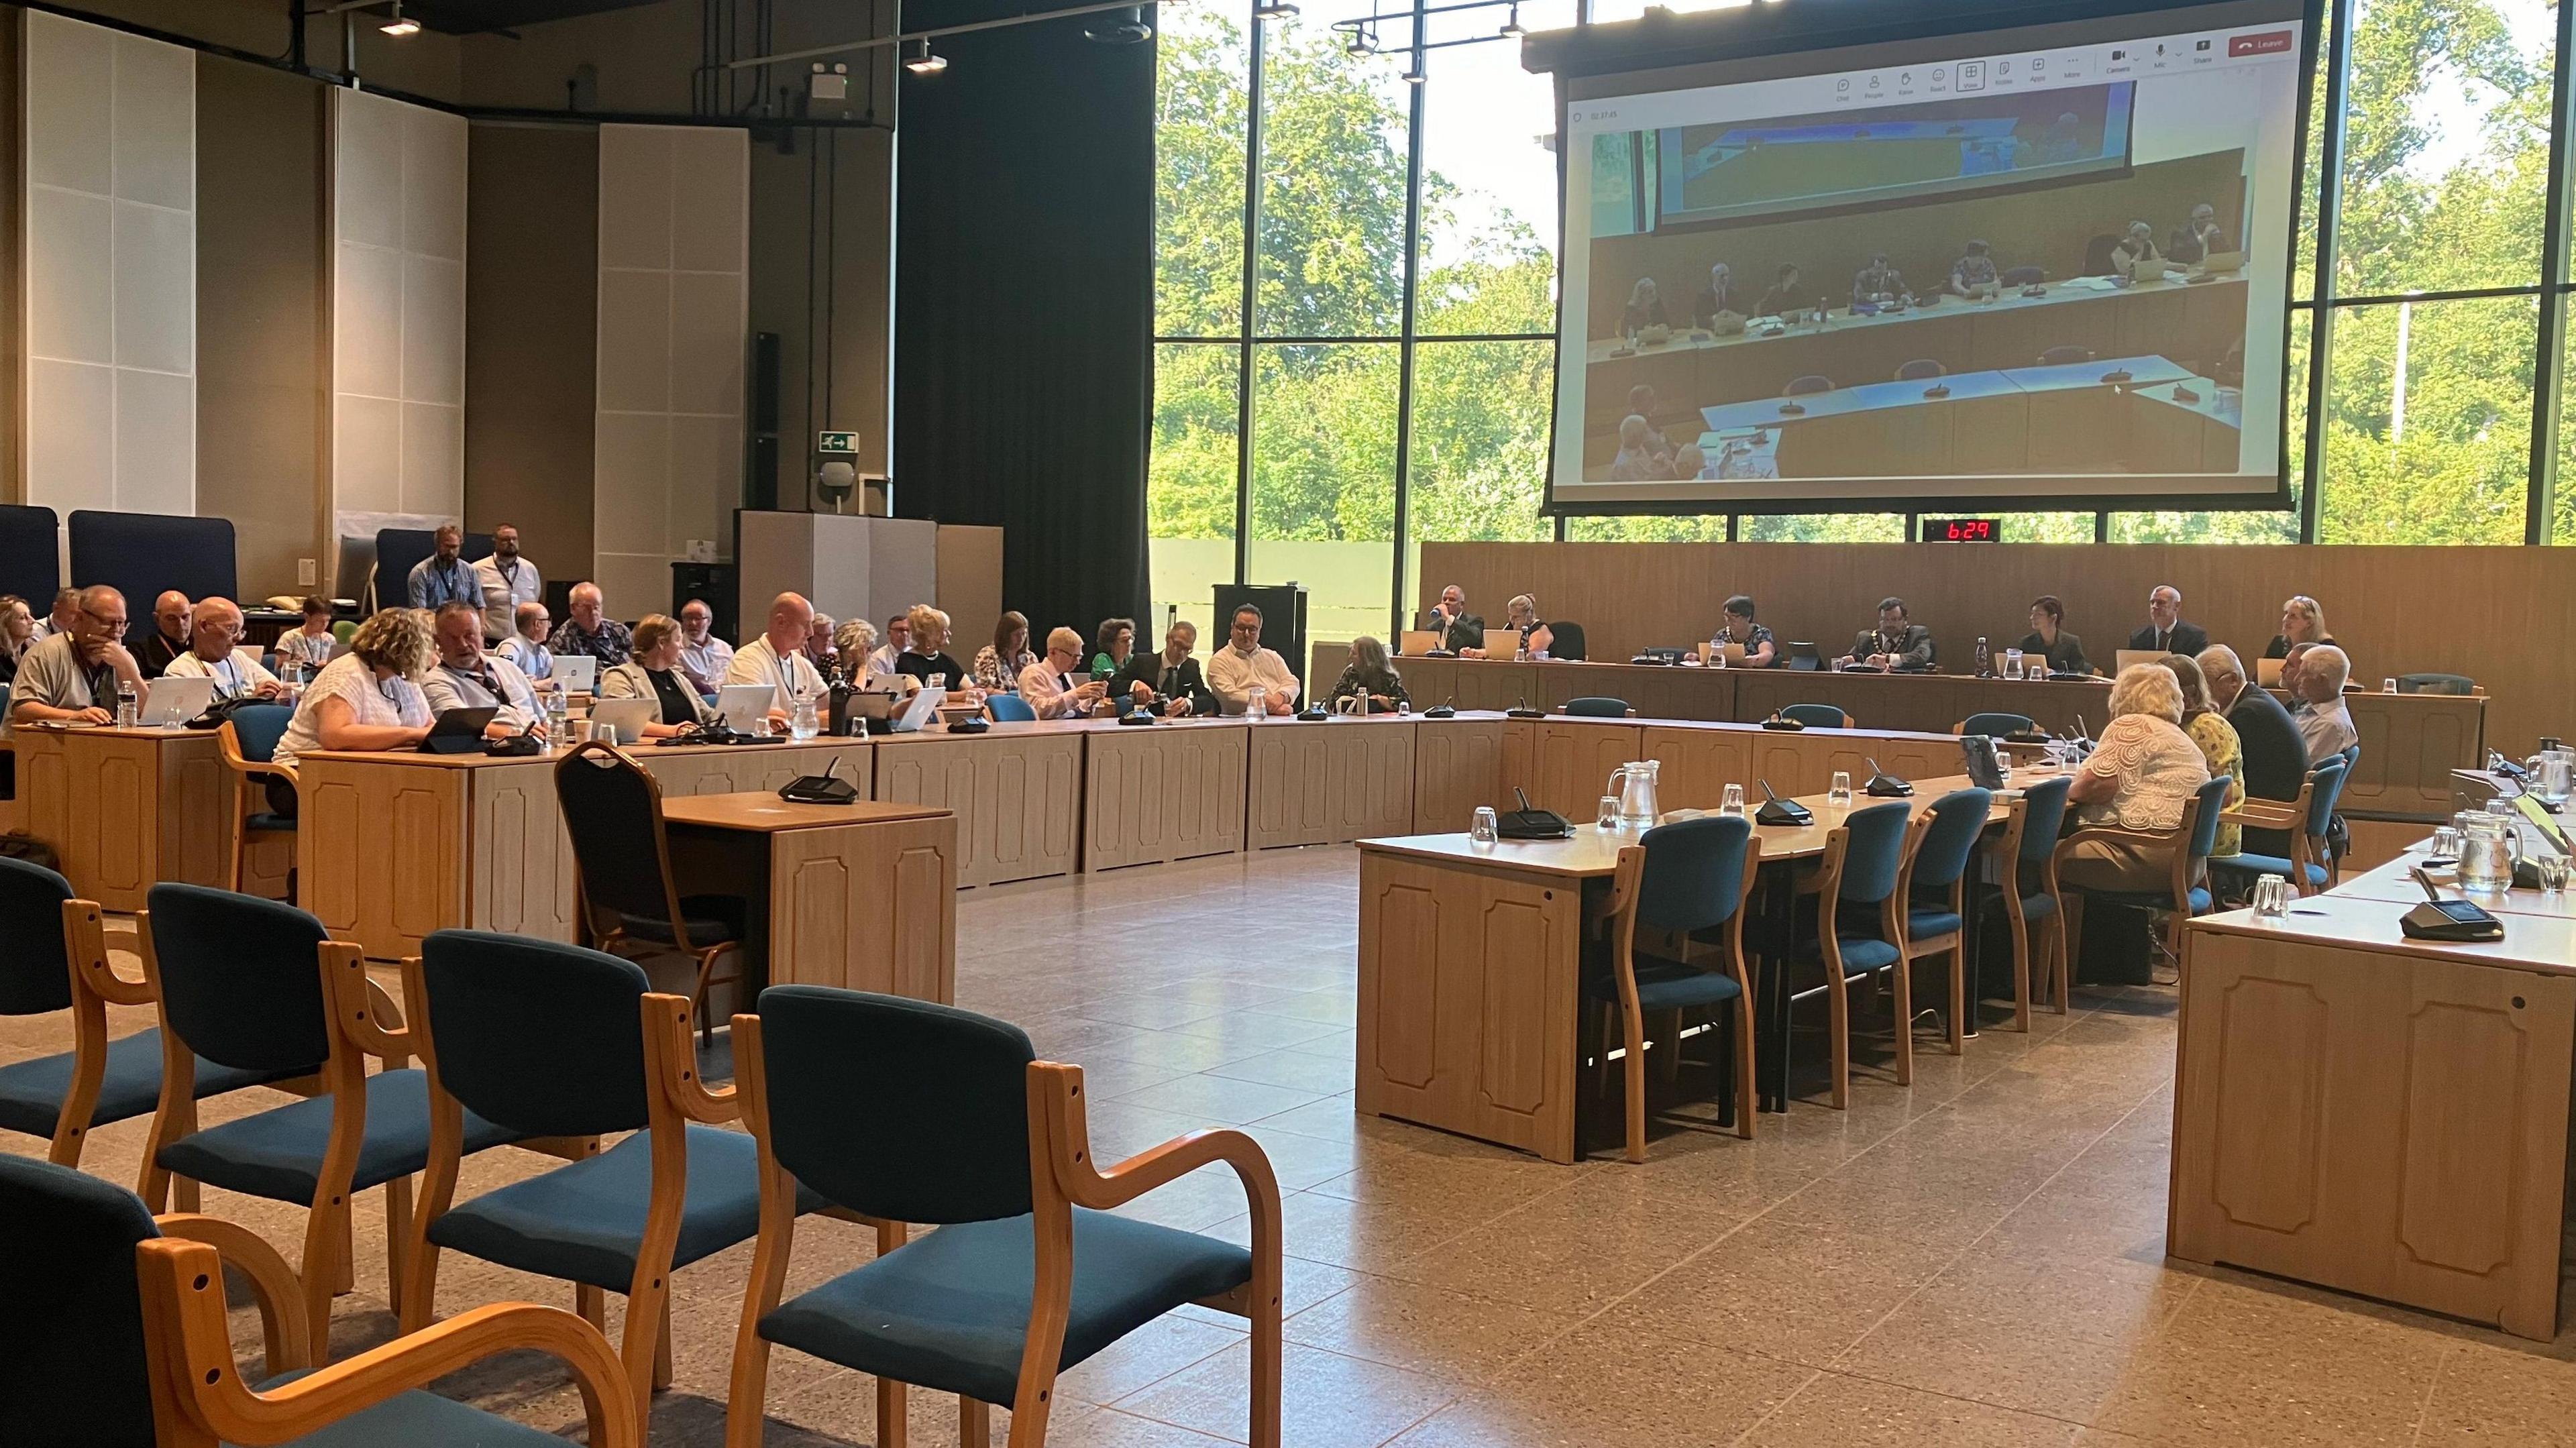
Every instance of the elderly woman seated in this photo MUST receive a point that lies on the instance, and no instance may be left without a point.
(2139, 777)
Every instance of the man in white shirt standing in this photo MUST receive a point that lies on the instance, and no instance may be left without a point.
(214, 652)
(2322, 718)
(777, 658)
(508, 581)
(526, 645)
(1048, 684)
(1243, 663)
(467, 678)
(703, 657)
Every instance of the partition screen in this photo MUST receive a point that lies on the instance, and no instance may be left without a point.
(2039, 266)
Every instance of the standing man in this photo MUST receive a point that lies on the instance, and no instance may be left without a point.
(703, 657)
(72, 676)
(777, 658)
(445, 577)
(214, 652)
(1243, 663)
(1459, 630)
(590, 630)
(467, 678)
(168, 640)
(2165, 632)
(526, 645)
(1168, 683)
(1897, 642)
(507, 579)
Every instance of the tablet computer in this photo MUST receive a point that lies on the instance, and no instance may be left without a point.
(459, 731)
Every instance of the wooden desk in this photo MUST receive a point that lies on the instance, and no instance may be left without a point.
(861, 896)
(2377, 1115)
(2392, 883)
(125, 809)
(1328, 781)
(1016, 790)
(1170, 791)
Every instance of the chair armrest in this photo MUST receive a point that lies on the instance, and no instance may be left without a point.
(364, 1011)
(1066, 1118)
(280, 1293)
(85, 937)
(2169, 838)
(2264, 814)
(1622, 896)
(671, 1059)
(184, 1318)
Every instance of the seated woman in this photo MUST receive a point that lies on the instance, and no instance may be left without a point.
(1371, 676)
(998, 664)
(653, 672)
(368, 698)
(1522, 613)
(1761, 650)
(2219, 747)
(926, 657)
(1111, 646)
(2049, 640)
(2303, 621)
(2138, 778)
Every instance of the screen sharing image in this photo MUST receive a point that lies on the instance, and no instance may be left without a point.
(2019, 264)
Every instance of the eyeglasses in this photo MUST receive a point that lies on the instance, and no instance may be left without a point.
(112, 625)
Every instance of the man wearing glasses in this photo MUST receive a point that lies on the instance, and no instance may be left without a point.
(71, 678)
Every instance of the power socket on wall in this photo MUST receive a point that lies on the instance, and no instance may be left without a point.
(307, 572)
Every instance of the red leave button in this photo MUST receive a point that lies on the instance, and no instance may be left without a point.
(2269, 42)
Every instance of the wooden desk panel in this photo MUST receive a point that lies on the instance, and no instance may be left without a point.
(1698, 765)
(1457, 765)
(1169, 792)
(1017, 796)
(864, 901)
(1328, 782)
(382, 850)
(125, 809)
(1569, 762)
(732, 770)
(2410, 743)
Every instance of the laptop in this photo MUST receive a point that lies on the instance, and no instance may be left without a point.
(1416, 642)
(1502, 643)
(170, 702)
(921, 710)
(577, 673)
(627, 716)
(2221, 263)
(2121, 659)
(2267, 672)
(1803, 657)
(744, 704)
(2546, 823)
(1732, 652)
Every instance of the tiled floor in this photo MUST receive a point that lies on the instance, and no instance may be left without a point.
(1975, 1260)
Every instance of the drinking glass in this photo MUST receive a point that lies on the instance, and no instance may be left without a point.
(2554, 869)
(2271, 897)
(1839, 796)
(2388, 686)
(1484, 830)
(1733, 802)
(2446, 843)
(1609, 816)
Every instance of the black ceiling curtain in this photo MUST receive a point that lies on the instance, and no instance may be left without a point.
(1024, 303)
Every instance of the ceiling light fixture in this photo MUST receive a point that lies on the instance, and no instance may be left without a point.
(400, 25)
(1126, 27)
(1512, 28)
(1274, 10)
(1363, 41)
(1413, 71)
(920, 61)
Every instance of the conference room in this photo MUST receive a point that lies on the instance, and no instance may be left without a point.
(1232, 761)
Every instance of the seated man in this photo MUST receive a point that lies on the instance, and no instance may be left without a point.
(2275, 753)
(703, 657)
(2318, 685)
(1973, 275)
(72, 678)
(214, 652)
(2165, 631)
(777, 658)
(1895, 644)
(467, 678)
(591, 631)
(168, 639)
(1168, 683)
(1784, 298)
(1048, 684)
(1760, 649)
(526, 646)
(1459, 630)
(1719, 296)
(2136, 257)
(1877, 282)
(65, 616)
(1643, 454)
(2196, 239)
(1244, 665)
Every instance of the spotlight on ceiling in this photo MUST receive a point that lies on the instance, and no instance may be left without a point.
(1363, 41)
(400, 24)
(918, 59)
(1119, 27)
(1274, 10)
(1512, 28)
(1413, 71)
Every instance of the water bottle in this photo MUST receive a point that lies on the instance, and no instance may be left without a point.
(804, 725)
(1258, 705)
(558, 718)
(128, 714)
(1985, 660)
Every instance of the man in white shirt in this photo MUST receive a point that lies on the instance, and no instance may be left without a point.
(508, 581)
(214, 652)
(703, 657)
(467, 678)
(526, 645)
(898, 637)
(2323, 720)
(1243, 662)
(1048, 684)
(66, 614)
(777, 658)
(72, 677)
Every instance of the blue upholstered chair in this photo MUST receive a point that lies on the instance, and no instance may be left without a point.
(111, 1307)
(53, 957)
(1685, 879)
(1859, 926)
(1817, 716)
(2188, 844)
(903, 1111)
(1009, 709)
(255, 986)
(247, 739)
(2308, 818)
(1934, 887)
(1994, 722)
(1597, 707)
(2029, 890)
(556, 1041)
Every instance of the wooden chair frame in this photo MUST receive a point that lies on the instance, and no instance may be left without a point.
(675, 1095)
(201, 1400)
(1953, 943)
(1062, 1176)
(2053, 963)
(1825, 882)
(2176, 840)
(2290, 815)
(247, 775)
(95, 987)
(1619, 918)
(608, 941)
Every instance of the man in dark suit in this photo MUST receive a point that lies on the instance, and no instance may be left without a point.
(2165, 632)
(2276, 754)
(1458, 629)
(1897, 643)
(165, 639)
(1167, 683)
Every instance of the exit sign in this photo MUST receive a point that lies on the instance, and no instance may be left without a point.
(836, 442)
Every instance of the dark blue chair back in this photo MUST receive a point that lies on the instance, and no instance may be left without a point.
(898, 1109)
(1817, 716)
(2043, 815)
(1957, 819)
(34, 975)
(2324, 793)
(259, 727)
(1694, 876)
(612, 814)
(2204, 828)
(1875, 852)
(1995, 721)
(1009, 709)
(1568, 641)
(241, 978)
(73, 1371)
(1597, 708)
(545, 1039)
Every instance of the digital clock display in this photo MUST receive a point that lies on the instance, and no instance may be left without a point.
(1963, 530)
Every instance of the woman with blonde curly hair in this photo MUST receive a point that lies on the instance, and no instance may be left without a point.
(368, 698)
(2138, 778)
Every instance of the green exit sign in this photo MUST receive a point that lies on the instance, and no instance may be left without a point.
(836, 442)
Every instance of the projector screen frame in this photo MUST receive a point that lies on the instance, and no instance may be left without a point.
(1663, 41)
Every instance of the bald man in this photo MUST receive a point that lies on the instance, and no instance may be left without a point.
(167, 639)
(591, 631)
(215, 652)
(777, 657)
(71, 678)
(2166, 632)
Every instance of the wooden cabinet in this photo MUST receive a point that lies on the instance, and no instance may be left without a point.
(125, 809)
(397, 846)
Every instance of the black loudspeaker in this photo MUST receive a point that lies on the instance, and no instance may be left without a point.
(764, 382)
(762, 496)
(1283, 620)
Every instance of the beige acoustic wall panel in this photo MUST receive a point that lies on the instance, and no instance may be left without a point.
(110, 137)
(674, 209)
(398, 311)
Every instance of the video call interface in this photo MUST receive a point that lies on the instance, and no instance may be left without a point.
(2025, 264)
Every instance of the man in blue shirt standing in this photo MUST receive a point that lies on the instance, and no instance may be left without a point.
(444, 576)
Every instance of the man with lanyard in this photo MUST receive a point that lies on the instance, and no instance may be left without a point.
(466, 678)
(214, 629)
(72, 678)
(443, 577)
(506, 580)
(703, 657)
